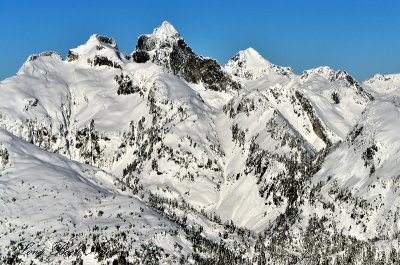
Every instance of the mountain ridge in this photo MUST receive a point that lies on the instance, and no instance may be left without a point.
(249, 150)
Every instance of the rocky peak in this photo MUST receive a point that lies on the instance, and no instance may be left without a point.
(100, 39)
(98, 42)
(96, 45)
(157, 47)
(249, 64)
(166, 30)
(165, 47)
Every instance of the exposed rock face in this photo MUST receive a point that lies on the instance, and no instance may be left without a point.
(316, 123)
(71, 56)
(167, 48)
(4, 157)
(43, 54)
(126, 84)
(102, 60)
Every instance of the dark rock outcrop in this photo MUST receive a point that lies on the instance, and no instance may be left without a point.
(102, 60)
(316, 123)
(170, 50)
(43, 54)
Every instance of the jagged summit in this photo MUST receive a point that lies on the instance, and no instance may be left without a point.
(97, 41)
(101, 39)
(165, 47)
(96, 45)
(165, 30)
(157, 47)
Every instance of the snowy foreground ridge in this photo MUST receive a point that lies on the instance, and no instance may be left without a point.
(163, 156)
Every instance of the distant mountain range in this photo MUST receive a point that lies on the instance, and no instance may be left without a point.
(163, 156)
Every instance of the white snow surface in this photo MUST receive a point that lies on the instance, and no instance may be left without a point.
(49, 195)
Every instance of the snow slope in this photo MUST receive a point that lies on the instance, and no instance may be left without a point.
(48, 201)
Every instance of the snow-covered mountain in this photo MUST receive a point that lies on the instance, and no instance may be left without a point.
(165, 156)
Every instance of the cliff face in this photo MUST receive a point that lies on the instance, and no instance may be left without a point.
(165, 47)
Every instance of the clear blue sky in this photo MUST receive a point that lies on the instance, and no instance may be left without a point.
(360, 36)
